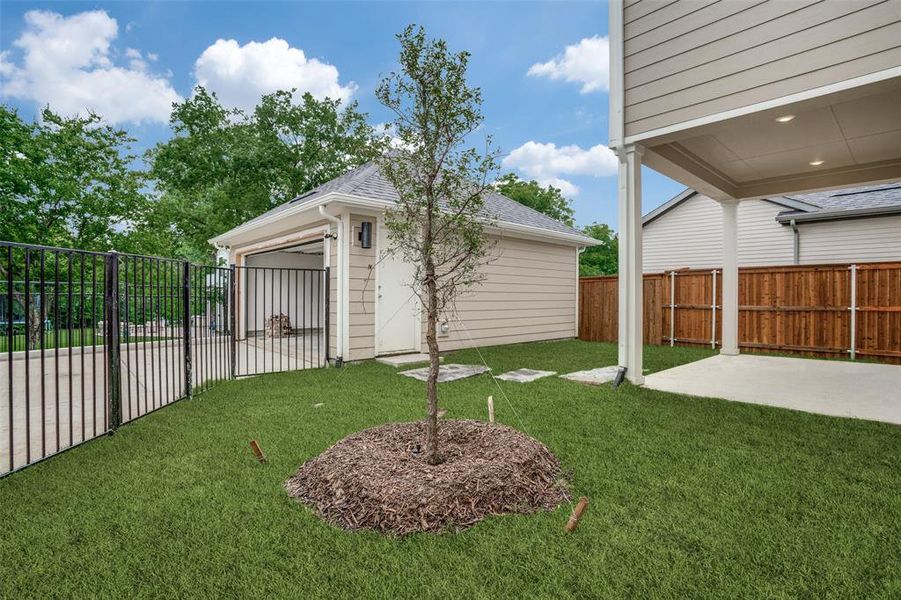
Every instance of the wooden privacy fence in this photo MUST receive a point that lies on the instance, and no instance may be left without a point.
(822, 310)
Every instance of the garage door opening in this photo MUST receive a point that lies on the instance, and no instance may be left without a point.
(282, 311)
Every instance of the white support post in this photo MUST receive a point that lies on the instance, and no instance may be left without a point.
(631, 279)
(853, 309)
(730, 279)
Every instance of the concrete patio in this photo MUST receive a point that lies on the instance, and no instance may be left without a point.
(838, 388)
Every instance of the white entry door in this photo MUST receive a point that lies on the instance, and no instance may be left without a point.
(397, 314)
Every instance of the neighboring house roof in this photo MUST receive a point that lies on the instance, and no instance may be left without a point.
(367, 182)
(848, 203)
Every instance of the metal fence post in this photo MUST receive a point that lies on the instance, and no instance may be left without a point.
(328, 310)
(672, 308)
(186, 325)
(713, 313)
(853, 309)
(232, 320)
(111, 339)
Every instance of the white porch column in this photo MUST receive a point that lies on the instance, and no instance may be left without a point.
(730, 279)
(631, 280)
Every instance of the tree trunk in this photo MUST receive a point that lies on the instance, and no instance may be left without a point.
(432, 456)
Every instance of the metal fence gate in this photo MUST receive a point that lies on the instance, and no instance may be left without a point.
(89, 340)
(282, 319)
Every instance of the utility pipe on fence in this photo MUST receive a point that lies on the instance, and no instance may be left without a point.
(713, 312)
(672, 308)
(853, 309)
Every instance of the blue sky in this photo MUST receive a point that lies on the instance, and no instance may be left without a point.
(541, 66)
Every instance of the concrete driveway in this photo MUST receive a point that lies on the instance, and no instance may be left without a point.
(838, 388)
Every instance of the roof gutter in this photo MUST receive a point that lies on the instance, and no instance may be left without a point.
(838, 215)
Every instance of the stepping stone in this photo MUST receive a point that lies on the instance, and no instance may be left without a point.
(524, 375)
(593, 376)
(447, 372)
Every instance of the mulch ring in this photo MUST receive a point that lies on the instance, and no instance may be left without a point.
(374, 480)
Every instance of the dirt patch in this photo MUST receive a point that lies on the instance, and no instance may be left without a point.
(374, 479)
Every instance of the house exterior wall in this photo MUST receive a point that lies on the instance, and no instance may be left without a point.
(875, 239)
(690, 59)
(690, 235)
(361, 296)
(529, 294)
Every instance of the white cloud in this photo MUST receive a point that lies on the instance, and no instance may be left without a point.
(587, 62)
(547, 163)
(67, 62)
(241, 74)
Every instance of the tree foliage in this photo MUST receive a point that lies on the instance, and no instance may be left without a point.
(224, 166)
(548, 200)
(67, 181)
(438, 222)
(602, 259)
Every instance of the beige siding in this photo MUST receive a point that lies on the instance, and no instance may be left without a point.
(361, 296)
(690, 235)
(873, 239)
(529, 294)
(693, 58)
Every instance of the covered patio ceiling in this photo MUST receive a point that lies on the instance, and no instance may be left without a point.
(845, 138)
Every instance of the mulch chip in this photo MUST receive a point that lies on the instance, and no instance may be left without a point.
(375, 479)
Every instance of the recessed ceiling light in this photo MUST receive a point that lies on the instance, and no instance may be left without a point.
(785, 118)
(816, 163)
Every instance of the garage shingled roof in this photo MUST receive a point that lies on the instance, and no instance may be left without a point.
(368, 182)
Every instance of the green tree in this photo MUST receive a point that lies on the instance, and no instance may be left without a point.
(602, 259)
(224, 166)
(67, 182)
(436, 224)
(548, 200)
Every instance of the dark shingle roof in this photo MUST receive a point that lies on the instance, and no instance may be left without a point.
(368, 182)
(858, 198)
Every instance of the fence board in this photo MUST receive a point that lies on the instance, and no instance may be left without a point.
(798, 309)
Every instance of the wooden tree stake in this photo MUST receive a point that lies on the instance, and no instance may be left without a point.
(257, 451)
(577, 514)
(491, 409)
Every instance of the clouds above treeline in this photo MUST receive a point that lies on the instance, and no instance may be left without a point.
(73, 64)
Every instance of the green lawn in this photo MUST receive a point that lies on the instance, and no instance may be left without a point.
(688, 497)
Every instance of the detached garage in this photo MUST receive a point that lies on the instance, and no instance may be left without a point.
(336, 233)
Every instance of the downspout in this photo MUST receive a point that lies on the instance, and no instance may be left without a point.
(797, 240)
(339, 325)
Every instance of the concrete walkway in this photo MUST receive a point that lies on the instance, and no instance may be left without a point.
(838, 388)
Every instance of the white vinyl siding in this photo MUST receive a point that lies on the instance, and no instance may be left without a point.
(693, 58)
(529, 294)
(690, 235)
(874, 239)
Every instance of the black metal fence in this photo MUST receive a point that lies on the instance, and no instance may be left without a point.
(282, 324)
(93, 340)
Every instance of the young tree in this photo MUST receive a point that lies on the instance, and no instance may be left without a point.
(438, 222)
(548, 200)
